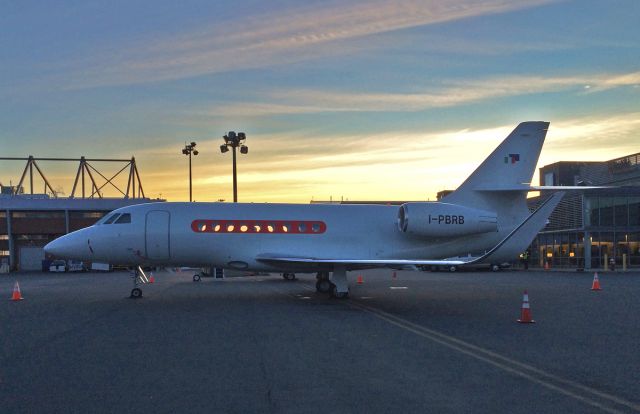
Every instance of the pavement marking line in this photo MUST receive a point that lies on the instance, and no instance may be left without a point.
(499, 361)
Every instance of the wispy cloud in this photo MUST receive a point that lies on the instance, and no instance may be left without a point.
(450, 93)
(275, 38)
(598, 138)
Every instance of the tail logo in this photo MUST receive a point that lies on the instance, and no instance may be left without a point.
(512, 158)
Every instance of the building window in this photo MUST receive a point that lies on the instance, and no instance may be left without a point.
(87, 214)
(606, 211)
(37, 214)
(621, 212)
(591, 212)
(634, 211)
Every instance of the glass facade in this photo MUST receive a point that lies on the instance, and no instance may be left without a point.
(611, 229)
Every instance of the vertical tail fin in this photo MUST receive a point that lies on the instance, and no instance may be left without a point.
(501, 182)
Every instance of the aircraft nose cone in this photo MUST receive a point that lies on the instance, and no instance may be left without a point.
(54, 247)
(69, 246)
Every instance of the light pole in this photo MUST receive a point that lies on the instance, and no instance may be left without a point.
(234, 141)
(188, 150)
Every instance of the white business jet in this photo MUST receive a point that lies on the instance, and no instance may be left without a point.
(486, 220)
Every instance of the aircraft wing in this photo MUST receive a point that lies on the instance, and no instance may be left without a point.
(361, 262)
(507, 249)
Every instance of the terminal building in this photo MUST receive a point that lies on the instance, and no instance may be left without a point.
(591, 226)
(29, 220)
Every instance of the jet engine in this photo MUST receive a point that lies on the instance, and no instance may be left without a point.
(444, 220)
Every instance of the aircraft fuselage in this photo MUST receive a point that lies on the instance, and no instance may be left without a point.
(239, 235)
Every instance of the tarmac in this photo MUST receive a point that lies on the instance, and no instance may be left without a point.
(423, 342)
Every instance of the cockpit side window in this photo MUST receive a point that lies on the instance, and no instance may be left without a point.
(111, 219)
(124, 218)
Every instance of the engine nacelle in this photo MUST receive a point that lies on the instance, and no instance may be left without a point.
(444, 220)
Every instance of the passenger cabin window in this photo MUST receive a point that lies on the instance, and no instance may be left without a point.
(123, 219)
(111, 219)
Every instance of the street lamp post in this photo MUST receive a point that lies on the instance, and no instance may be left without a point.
(188, 150)
(234, 141)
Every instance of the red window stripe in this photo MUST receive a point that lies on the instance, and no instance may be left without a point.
(259, 226)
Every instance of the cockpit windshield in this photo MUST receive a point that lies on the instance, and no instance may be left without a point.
(111, 219)
(108, 217)
(123, 219)
(115, 218)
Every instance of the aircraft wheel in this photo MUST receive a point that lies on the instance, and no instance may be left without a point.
(196, 277)
(452, 268)
(289, 276)
(136, 293)
(324, 286)
(495, 267)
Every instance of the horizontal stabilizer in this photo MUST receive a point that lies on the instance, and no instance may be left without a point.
(525, 187)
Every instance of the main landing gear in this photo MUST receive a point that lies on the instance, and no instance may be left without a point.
(337, 284)
(139, 278)
(323, 284)
(289, 276)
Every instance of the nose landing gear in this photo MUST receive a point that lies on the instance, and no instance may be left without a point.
(139, 278)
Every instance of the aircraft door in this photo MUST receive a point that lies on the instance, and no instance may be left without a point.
(157, 234)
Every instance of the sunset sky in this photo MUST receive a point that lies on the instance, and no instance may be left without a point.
(362, 100)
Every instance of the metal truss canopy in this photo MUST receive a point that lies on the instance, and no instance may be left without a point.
(84, 176)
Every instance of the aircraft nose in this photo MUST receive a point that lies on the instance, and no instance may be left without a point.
(69, 246)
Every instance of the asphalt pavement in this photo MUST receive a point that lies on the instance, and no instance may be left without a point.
(422, 342)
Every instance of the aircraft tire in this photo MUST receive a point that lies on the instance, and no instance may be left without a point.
(324, 286)
(136, 293)
(196, 277)
(453, 268)
(495, 268)
(289, 276)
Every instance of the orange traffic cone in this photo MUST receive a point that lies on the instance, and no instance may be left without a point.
(16, 292)
(394, 276)
(151, 278)
(360, 279)
(546, 265)
(525, 316)
(596, 282)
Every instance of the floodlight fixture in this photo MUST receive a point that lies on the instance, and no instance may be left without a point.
(234, 141)
(188, 150)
